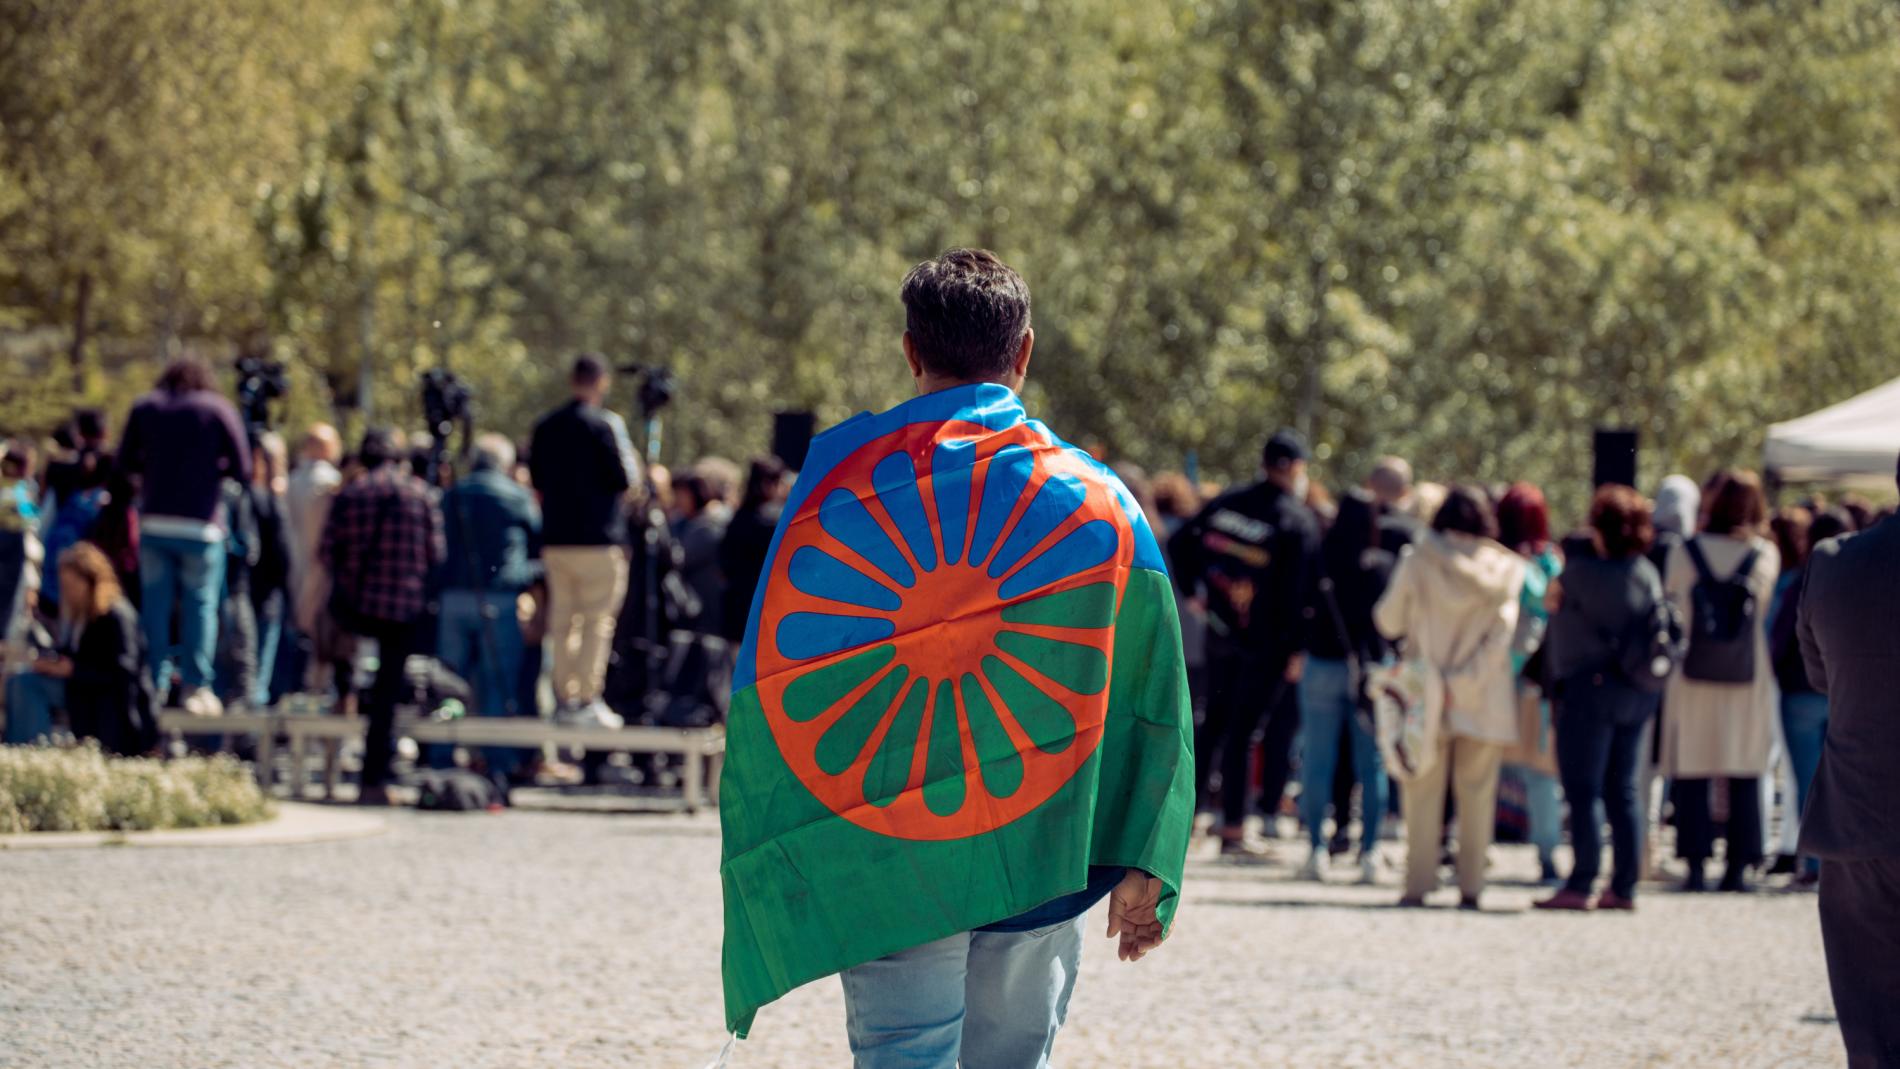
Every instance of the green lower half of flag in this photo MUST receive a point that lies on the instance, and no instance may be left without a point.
(808, 892)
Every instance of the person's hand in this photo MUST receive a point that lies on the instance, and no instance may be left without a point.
(53, 667)
(1295, 667)
(1131, 914)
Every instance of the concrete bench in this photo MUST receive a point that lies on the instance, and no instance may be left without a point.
(702, 749)
(175, 724)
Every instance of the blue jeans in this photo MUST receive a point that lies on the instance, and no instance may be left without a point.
(31, 699)
(190, 575)
(270, 635)
(1327, 703)
(478, 637)
(1598, 751)
(1544, 812)
(1804, 724)
(982, 1000)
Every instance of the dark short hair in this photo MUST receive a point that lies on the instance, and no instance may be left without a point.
(1523, 517)
(1467, 510)
(1829, 523)
(1285, 447)
(966, 312)
(1858, 508)
(186, 374)
(589, 368)
(381, 445)
(89, 424)
(762, 479)
(1735, 503)
(1623, 522)
(694, 484)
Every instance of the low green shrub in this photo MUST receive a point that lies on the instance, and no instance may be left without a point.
(45, 788)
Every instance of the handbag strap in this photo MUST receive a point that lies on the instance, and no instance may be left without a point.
(1354, 662)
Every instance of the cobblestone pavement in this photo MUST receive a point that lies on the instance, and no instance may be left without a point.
(578, 941)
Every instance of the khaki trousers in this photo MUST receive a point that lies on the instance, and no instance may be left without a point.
(586, 586)
(1471, 766)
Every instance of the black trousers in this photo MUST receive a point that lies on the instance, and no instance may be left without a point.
(1597, 755)
(1695, 827)
(1245, 688)
(394, 644)
(1860, 901)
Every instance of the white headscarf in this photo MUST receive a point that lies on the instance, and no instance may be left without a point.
(1678, 506)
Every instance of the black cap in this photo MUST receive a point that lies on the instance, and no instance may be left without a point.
(1284, 447)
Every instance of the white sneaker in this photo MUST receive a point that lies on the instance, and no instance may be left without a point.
(604, 716)
(201, 702)
(1368, 870)
(594, 714)
(1314, 871)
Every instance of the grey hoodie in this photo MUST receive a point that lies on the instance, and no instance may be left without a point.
(1454, 600)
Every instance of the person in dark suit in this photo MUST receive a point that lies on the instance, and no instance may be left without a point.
(1850, 642)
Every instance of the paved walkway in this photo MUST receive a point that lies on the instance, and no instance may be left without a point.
(580, 941)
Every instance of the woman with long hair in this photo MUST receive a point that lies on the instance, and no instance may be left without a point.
(1524, 528)
(1343, 645)
(97, 671)
(1724, 704)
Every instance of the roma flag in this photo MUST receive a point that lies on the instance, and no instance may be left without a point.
(961, 686)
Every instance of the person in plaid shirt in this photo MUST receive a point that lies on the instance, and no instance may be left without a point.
(381, 543)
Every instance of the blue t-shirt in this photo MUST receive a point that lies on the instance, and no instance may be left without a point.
(1102, 880)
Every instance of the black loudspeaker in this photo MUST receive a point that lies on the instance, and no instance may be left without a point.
(791, 437)
(1615, 458)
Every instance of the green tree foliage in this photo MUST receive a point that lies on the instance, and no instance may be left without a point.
(1464, 230)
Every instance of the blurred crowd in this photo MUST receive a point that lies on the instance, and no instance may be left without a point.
(1636, 669)
(1639, 669)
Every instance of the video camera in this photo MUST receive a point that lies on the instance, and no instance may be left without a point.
(260, 381)
(657, 386)
(447, 403)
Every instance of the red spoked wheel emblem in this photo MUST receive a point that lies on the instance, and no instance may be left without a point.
(934, 648)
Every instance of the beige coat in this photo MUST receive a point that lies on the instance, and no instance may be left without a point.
(1722, 729)
(313, 487)
(1454, 599)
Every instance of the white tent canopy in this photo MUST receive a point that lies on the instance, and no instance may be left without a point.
(1856, 440)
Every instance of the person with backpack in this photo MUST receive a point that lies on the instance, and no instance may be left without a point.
(1609, 653)
(76, 519)
(1453, 603)
(1724, 703)
(1251, 557)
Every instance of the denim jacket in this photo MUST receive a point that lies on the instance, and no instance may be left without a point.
(494, 534)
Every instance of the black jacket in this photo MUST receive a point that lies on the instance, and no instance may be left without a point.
(1357, 555)
(1850, 639)
(271, 571)
(107, 697)
(1257, 551)
(742, 554)
(1605, 603)
(583, 464)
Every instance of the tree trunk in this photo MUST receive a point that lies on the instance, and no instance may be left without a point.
(82, 316)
